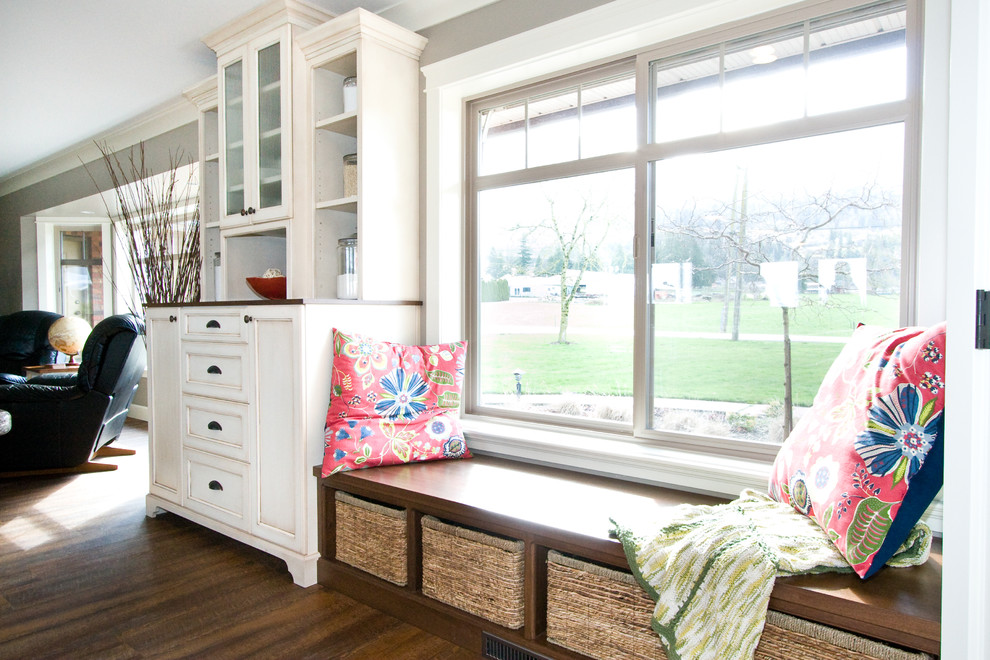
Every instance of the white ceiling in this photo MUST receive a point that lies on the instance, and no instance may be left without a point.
(71, 70)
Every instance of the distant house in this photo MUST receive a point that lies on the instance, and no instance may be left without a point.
(593, 285)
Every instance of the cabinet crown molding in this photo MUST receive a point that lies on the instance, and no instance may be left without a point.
(360, 22)
(203, 95)
(265, 18)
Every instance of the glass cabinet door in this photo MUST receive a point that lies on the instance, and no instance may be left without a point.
(269, 128)
(233, 98)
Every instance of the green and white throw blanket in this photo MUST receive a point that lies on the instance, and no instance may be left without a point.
(711, 569)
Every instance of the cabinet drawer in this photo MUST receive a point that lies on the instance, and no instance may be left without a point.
(215, 371)
(218, 427)
(217, 487)
(217, 325)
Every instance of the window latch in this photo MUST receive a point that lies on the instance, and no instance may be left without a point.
(982, 319)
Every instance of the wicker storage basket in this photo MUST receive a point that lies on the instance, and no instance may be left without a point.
(604, 613)
(372, 537)
(474, 572)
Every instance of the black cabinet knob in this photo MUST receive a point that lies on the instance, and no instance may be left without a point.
(248, 319)
(172, 318)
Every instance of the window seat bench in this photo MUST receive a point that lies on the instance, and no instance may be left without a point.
(551, 509)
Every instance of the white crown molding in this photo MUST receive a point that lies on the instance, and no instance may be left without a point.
(153, 123)
(265, 18)
(359, 22)
(204, 95)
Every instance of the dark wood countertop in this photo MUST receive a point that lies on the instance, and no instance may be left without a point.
(570, 512)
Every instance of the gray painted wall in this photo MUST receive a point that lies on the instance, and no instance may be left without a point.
(496, 21)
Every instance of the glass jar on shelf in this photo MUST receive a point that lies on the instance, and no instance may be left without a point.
(350, 175)
(350, 93)
(347, 279)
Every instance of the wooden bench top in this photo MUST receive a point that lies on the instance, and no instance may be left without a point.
(570, 511)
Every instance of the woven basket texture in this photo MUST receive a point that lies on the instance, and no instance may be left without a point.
(605, 614)
(372, 537)
(474, 572)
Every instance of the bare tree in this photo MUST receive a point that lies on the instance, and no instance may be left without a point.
(578, 238)
(754, 230)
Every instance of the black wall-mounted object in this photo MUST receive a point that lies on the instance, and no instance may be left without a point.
(982, 319)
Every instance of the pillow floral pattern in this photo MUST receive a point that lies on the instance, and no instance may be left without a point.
(391, 403)
(866, 460)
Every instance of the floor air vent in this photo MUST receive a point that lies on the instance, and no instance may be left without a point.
(499, 649)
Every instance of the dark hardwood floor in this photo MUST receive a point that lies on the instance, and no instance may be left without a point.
(84, 574)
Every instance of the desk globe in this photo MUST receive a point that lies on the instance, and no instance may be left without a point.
(68, 335)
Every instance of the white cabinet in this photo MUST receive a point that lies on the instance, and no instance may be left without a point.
(378, 199)
(239, 398)
(260, 181)
(283, 131)
(256, 140)
(162, 333)
(204, 97)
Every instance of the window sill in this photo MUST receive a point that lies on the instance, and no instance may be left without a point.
(615, 455)
(623, 457)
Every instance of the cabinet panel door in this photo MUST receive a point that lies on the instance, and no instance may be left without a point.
(255, 113)
(280, 440)
(269, 127)
(163, 383)
(233, 88)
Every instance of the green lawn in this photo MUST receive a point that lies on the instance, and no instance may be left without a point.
(837, 319)
(712, 369)
(687, 368)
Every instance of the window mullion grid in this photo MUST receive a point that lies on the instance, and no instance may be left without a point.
(580, 118)
(526, 136)
(878, 115)
(721, 88)
(807, 65)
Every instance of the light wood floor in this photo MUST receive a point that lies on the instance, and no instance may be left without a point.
(84, 574)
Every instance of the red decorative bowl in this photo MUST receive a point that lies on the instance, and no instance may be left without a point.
(272, 288)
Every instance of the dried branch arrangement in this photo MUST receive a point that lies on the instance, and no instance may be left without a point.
(158, 223)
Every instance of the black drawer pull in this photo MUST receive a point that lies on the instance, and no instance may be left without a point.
(213, 323)
(216, 485)
(214, 369)
(172, 318)
(214, 426)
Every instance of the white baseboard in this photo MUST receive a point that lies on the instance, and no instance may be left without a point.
(138, 412)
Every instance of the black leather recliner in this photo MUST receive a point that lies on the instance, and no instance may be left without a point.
(60, 420)
(24, 340)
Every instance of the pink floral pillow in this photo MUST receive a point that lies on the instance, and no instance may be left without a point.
(391, 403)
(866, 460)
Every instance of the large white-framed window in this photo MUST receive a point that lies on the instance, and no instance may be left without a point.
(676, 252)
(950, 246)
(780, 179)
(552, 198)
